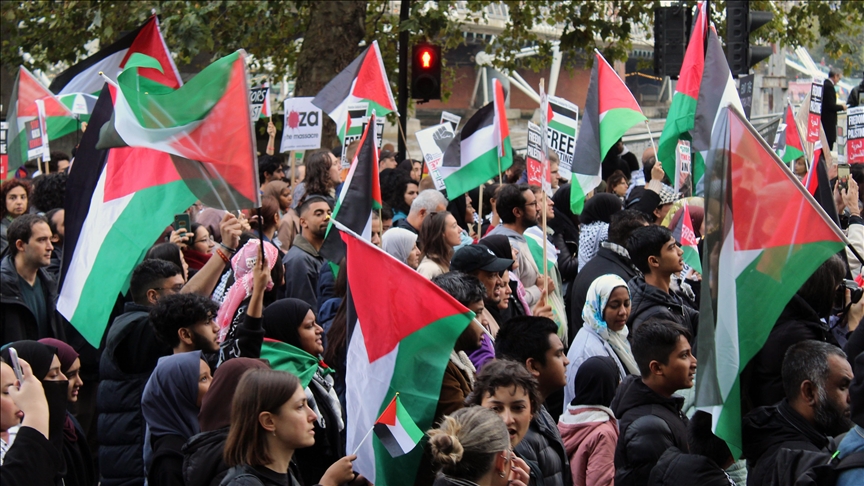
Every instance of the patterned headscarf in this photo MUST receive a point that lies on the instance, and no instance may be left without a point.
(592, 314)
(243, 263)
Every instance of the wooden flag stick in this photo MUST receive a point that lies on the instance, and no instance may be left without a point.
(480, 212)
(293, 168)
(545, 258)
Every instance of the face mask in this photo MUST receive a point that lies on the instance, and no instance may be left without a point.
(56, 393)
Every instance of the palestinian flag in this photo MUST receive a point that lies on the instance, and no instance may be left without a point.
(118, 202)
(561, 123)
(396, 429)
(360, 197)
(819, 186)
(790, 147)
(610, 110)
(364, 80)
(147, 39)
(682, 112)
(285, 357)
(686, 237)
(23, 109)
(480, 151)
(205, 125)
(768, 239)
(393, 347)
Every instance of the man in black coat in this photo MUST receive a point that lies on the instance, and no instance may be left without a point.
(649, 414)
(816, 379)
(612, 258)
(830, 107)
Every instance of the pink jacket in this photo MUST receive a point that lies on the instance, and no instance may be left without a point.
(590, 433)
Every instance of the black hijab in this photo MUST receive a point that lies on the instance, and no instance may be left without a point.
(457, 208)
(596, 381)
(601, 207)
(499, 244)
(282, 319)
(39, 356)
(565, 222)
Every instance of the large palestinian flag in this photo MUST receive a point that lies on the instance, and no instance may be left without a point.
(118, 202)
(610, 110)
(363, 81)
(763, 242)
(147, 39)
(682, 112)
(27, 95)
(480, 151)
(205, 125)
(393, 347)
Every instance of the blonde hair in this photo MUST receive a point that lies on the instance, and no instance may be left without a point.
(466, 442)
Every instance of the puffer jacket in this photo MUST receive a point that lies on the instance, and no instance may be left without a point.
(543, 447)
(675, 468)
(647, 301)
(19, 322)
(202, 458)
(590, 433)
(648, 424)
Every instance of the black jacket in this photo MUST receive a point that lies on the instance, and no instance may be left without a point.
(677, 468)
(605, 262)
(766, 430)
(260, 476)
(202, 458)
(328, 448)
(166, 468)
(31, 460)
(829, 112)
(404, 224)
(761, 381)
(79, 460)
(648, 424)
(542, 445)
(19, 322)
(647, 301)
(302, 263)
(130, 356)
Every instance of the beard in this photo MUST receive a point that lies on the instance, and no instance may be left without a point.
(528, 222)
(830, 419)
(202, 343)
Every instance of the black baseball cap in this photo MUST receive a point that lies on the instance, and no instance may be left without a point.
(477, 257)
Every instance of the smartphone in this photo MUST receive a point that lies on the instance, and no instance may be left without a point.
(182, 221)
(843, 175)
(16, 366)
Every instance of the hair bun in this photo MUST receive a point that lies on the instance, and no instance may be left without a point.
(446, 448)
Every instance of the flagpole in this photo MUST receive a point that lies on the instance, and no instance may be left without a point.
(404, 139)
(293, 168)
(545, 257)
(363, 440)
(651, 138)
(480, 210)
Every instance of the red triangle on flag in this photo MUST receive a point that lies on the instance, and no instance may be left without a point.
(371, 83)
(149, 41)
(30, 90)
(690, 77)
(131, 169)
(500, 112)
(388, 416)
(615, 93)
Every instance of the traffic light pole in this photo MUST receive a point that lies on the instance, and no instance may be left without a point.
(402, 102)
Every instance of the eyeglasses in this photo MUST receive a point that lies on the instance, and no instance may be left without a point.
(176, 289)
(536, 204)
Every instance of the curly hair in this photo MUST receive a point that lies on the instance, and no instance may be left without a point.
(173, 312)
(318, 181)
(49, 191)
(394, 184)
(504, 373)
(8, 186)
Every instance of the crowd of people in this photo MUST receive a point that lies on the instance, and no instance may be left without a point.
(224, 363)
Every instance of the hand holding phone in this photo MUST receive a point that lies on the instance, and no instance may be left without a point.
(843, 176)
(16, 366)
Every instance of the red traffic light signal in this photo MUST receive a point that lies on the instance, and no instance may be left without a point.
(426, 72)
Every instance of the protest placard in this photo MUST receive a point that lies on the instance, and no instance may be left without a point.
(433, 142)
(37, 136)
(780, 138)
(259, 98)
(561, 130)
(855, 135)
(745, 92)
(453, 120)
(302, 127)
(814, 118)
(358, 115)
(683, 164)
(535, 161)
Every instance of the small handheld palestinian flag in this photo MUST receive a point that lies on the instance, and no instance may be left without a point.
(686, 237)
(610, 111)
(790, 148)
(396, 429)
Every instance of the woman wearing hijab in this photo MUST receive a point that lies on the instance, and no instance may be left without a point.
(293, 342)
(289, 222)
(170, 405)
(588, 427)
(565, 225)
(604, 330)
(402, 244)
(76, 450)
(203, 464)
(232, 312)
(595, 224)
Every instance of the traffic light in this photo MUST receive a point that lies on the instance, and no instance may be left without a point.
(740, 22)
(426, 72)
(671, 32)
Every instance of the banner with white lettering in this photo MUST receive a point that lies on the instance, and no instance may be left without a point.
(855, 135)
(683, 164)
(814, 118)
(535, 161)
(302, 127)
(358, 115)
(561, 130)
(259, 98)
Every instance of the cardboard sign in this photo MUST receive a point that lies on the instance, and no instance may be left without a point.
(535, 162)
(855, 135)
(779, 145)
(561, 131)
(302, 127)
(37, 135)
(683, 166)
(745, 92)
(259, 99)
(814, 117)
(358, 115)
(433, 142)
(453, 120)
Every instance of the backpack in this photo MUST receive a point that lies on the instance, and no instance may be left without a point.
(826, 473)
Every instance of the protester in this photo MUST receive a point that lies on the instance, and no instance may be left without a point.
(414, 168)
(816, 379)
(657, 255)
(170, 252)
(611, 258)
(617, 184)
(462, 209)
(199, 249)
(565, 237)
(289, 222)
(604, 331)
(303, 261)
(270, 421)
(399, 191)
(471, 446)
(514, 173)
(482, 263)
(27, 292)
(10, 414)
(250, 284)
(537, 240)
(854, 98)
(203, 462)
(270, 169)
(588, 426)
(704, 465)
(170, 405)
(853, 443)
(322, 177)
(534, 342)
(15, 193)
(649, 413)
(402, 245)
(427, 202)
(292, 322)
(517, 305)
(830, 107)
(56, 221)
(438, 235)
(554, 176)
(654, 198)
(376, 229)
(269, 219)
(594, 227)
(506, 387)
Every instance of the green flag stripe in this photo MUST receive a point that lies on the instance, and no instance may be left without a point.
(285, 357)
(474, 173)
(691, 257)
(792, 153)
(407, 422)
(615, 124)
(566, 129)
(679, 122)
